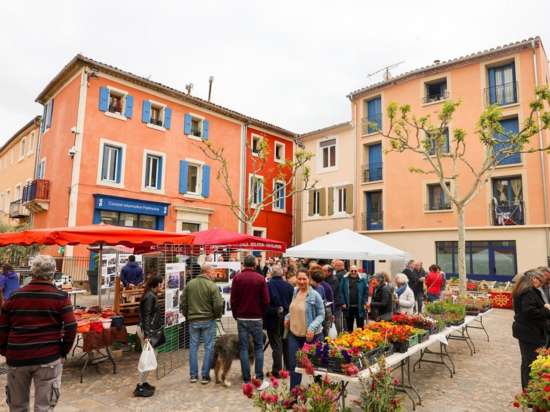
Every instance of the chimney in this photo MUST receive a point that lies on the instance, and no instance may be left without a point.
(210, 81)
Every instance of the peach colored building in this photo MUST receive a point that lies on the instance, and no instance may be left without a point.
(508, 222)
(17, 163)
(121, 149)
(328, 207)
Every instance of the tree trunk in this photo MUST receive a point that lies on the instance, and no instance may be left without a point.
(461, 256)
(249, 228)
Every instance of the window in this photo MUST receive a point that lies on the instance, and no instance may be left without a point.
(437, 198)
(195, 126)
(193, 178)
(328, 153)
(256, 190)
(374, 114)
(47, 116)
(340, 200)
(279, 152)
(2, 202)
(156, 115)
(503, 149)
(435, 91)
(116, 102)
(41, 169)
(31, 144)
(374, 219)
(502, 84)
(22, 148)
(507, 201)
(279, 195)
(374, 167)
(256, 145)
(153, 171)
(111, 165)
(439, 141)
(127, 219)
(190, 227)
(17, 193)
(485, 259)
(316, 201)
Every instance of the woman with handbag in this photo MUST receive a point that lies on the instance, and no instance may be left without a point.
(434, 283)
(150, 329)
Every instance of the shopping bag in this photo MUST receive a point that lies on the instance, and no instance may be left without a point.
(147, 360)
(333, 333)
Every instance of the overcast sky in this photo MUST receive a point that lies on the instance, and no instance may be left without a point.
(286, 62)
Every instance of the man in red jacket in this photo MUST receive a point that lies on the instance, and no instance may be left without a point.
(37, 330)
(249, 301)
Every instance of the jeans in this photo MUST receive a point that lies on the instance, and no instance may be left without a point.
(528, 355)
(245, 329)
(338, 319)
(207, 330)
(433, 298)
(327, 323)
(279, 347)
(295, 343)
(352, 314)
(419, 297)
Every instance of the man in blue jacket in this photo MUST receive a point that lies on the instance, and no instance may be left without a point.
(354, 292)
(280, 296)
(131, 274)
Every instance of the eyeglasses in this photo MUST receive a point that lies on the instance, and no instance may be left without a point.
(353, 271)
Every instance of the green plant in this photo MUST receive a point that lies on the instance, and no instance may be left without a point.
(14, 254)
(537, 394)
(379, 393)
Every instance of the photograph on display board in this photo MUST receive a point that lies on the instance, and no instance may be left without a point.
(224, 286)
(220, 275)
(175, 279)
(172, 318)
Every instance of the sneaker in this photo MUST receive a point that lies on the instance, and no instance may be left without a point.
(193, 380)
(146, 384)
(205, 381)
(142, 391)
(265, 384)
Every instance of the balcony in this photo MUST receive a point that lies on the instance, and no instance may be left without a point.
(502, 94)
(371, 124)
(372, 172)
(18, 211)
(373, 220)
(435, 97)
(508, 213)
(36, 195)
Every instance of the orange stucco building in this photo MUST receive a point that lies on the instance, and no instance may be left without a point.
(121, 149)
(17, 164)
(508, 221)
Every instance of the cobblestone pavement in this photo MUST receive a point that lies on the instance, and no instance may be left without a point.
(486, 381)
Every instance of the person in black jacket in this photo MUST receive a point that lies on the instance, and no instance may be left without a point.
(280, 296)
(381, 305)
(416, 276)
(530, 319)
(150, 323)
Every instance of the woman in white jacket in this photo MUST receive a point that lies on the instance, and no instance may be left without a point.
(405, 295)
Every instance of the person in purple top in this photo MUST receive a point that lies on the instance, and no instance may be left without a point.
(326, 292)
(9, 281)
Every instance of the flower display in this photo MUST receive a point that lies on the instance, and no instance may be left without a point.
(392, 332)
(361, 339)
(537, 394)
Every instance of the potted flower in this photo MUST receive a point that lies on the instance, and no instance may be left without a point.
(379, 391)
(276, 398)
(536, 396)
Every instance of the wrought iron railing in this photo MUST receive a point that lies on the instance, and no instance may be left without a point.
(372, 172)
(38, 189)
(371, 124)
(430, 98)
(373, 220)
(17, 209)
(502, 94)
(508, 213)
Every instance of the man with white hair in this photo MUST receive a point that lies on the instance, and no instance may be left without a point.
(37, 330)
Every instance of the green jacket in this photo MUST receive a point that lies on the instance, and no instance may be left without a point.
(201, 300)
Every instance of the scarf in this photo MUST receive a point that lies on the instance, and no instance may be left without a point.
(401, 289)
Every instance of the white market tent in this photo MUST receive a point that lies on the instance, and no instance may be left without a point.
(346, 244)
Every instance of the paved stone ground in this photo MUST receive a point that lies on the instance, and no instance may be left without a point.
(484, 382)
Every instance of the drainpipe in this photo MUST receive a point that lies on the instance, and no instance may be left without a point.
(542, 159)
(244, 132)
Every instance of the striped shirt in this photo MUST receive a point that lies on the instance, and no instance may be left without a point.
(37, 325)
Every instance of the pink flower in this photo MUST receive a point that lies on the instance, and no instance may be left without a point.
(274, 382)
(396, 381)
(265, 396)
(248, 390)
(284, 374)
(256, 382)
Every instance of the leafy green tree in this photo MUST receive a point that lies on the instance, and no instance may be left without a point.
(14, 254)
(427, 137)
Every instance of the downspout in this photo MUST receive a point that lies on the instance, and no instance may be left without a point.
(244, 132)
(542, 160)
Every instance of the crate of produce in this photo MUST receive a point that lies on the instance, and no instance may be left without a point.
(413, 340)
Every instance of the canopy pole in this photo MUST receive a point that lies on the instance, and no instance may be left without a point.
(100, 276)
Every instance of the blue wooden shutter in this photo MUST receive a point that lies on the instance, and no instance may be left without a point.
(119, 165)
(492, 86)
(205, 181)
(446, 144)
(167, 117)
(187, 124)
(159, 173)
(205, 129)
(49, 114)
(104, 163)
(146, 111)
(378, 110)
(129, 109)
(375, 162)
(283, 196)
(44, 114)
(103, 99)
(430, 197)
(509, 126)
(39, 171)
(183, 176)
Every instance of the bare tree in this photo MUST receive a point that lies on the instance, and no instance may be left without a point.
(286, 173)
(429, 139)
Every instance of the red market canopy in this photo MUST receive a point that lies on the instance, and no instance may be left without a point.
(94, 235)
(221, 237)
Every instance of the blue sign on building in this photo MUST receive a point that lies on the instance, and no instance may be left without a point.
(129, 212)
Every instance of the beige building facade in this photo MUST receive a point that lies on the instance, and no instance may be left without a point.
(508, 221)
(17, 167)
(328, 207)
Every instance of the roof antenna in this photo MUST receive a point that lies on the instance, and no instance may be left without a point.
(386, 70)
(210, 81)
(189, 87)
